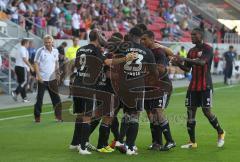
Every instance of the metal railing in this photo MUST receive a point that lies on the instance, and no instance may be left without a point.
(232, 38)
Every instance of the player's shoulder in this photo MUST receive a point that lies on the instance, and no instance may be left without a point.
(39, 50)
(207, 46)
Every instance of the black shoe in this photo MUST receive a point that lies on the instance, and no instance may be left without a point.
(155, 146)
(122, 149)
(168, 146)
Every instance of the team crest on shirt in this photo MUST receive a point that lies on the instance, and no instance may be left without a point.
(199, 54)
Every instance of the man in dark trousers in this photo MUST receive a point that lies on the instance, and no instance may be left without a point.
(22, 67)
(229, 57)
(46, 67)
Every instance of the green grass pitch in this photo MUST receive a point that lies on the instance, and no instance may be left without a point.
(23, 140)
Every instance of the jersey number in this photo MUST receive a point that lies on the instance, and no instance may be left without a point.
(82, 61)
(137, 66)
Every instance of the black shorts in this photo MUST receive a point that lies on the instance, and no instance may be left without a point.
(199, 99)
(139, 107)
(83, 105)
(159, 103)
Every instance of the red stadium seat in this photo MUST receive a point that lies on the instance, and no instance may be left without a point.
(153, 27)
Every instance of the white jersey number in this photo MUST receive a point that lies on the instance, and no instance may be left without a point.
(137, 66)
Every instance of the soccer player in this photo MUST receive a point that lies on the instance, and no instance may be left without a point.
(155, 107)
(135, 69)
(199, 94)
(84, 106)
(169, 55)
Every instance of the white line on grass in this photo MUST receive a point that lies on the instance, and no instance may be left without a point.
(22, 116)
(175, 94)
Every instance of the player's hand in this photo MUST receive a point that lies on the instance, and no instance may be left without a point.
(131, 56)
(176, 60)
(39, 79)
(32, 69)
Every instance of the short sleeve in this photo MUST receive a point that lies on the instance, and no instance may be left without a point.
(57, 54)
(38, 55)
(23, 53)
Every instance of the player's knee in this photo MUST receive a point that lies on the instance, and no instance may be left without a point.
(207, 113)
(130, 118)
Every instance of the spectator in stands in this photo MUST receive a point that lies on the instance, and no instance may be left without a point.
(223, 31)
(39, 20)
(76, 20)
(14, 12)
(175, 30)
(216, 60)
(52, 21)
(29, 20)
(229, 57)
(213, 33)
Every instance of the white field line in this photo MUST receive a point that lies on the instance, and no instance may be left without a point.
(22, 116)
(175, 94)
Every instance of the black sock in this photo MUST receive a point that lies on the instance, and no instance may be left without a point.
(153, 130)
(159, 135)
(77, 133)
(123, 130)
(214, 122)
(94, 125)
(165, 128)
(104, 131)
(115, 128)
(85, 132)
(131, 135)
(191, 130)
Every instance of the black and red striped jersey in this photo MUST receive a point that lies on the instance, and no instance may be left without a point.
(201, 75)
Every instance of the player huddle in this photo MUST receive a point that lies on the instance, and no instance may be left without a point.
(130, 73)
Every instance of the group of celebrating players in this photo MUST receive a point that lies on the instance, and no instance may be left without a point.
(118, 75)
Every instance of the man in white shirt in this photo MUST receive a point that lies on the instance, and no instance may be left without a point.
(76, 19)
(22, 65)
(46, 67)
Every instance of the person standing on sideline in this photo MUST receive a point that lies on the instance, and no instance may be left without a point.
(61, 60)
(182, 52)
(22, 67)
(216, 60)
(46, 67)
(229, 57)
(70, 56)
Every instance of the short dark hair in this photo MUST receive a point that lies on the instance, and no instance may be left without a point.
(93, 35)
(231, 47)
(118, 35)
(24, 41)
(126, 37)
(149, 33)
(135, 32)
(200, 31)
(64, 43)
(141, 26)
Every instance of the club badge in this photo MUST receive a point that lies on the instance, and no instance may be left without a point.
(199, 54)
